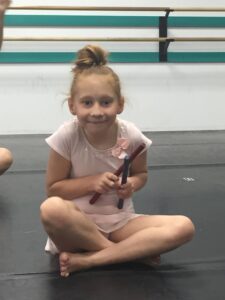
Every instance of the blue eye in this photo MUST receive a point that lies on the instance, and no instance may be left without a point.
(106, 102)
(87, 103)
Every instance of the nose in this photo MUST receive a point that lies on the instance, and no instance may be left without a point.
(96, 110)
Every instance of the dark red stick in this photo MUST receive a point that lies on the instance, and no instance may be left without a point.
(120, 169)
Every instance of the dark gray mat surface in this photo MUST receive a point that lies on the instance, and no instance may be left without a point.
(195, 271)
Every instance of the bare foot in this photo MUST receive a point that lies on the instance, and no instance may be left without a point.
(72, 262)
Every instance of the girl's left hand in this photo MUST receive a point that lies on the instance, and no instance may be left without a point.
(125, 190)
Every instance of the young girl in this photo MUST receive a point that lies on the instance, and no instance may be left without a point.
(84, 155)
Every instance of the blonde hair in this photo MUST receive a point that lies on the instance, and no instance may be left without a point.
(92, 59)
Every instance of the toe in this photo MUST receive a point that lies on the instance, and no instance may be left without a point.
(63, 268)
(65, 274)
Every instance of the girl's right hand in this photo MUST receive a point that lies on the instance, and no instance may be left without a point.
(105, 182)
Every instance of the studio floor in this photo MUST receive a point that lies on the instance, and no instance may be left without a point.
(186, 176)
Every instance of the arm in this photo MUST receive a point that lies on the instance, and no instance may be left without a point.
(3, 6)
(137, 178)
(59, 184)
(139, 172)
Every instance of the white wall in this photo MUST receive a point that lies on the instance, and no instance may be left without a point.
(160, 97)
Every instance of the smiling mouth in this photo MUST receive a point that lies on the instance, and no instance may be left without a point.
(97, 122)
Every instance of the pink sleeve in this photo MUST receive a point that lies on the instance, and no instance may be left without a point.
(137, 137)
(60, 141)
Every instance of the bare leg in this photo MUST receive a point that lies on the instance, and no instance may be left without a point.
(146, 236)
(69, 228)
(5, 160)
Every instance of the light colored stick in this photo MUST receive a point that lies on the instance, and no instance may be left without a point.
(116, 8)
(88, 39)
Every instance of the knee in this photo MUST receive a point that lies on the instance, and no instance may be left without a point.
(52, 211)
(49, 208)
(184, 230)
(56, 212)
(6, 159)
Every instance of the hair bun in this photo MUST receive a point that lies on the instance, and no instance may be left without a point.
(91, 56)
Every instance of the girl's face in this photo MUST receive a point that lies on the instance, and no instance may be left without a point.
(95, 103)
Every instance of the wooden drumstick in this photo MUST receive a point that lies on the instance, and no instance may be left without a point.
(120, 169)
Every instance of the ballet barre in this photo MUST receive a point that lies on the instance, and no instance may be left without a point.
(117, 8)
(163, 22)
(91, 39)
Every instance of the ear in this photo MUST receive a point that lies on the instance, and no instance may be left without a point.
(121, 105)
(71, 106)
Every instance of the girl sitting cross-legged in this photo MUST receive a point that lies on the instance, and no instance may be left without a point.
(84, 154)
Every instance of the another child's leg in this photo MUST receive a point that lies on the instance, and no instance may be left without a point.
(69, 228)
(5, 160)
(145, 236)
